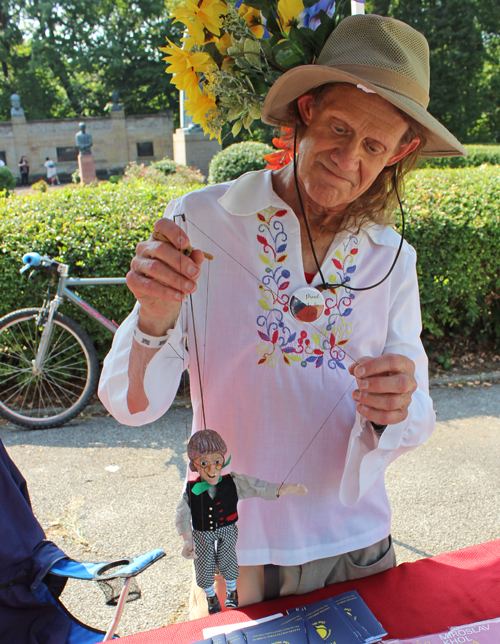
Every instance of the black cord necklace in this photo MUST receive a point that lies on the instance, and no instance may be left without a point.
(326, 285)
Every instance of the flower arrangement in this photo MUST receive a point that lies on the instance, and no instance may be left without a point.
(232, 53)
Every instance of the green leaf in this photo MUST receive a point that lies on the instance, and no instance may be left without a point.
(235, 130)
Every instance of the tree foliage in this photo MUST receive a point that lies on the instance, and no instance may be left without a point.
(65, 58)
(464, 42)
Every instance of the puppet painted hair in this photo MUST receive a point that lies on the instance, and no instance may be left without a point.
(206, 441)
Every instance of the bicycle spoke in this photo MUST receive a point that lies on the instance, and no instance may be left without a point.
(55, 383)
(18, 350)
(17, 392)
(56, 394)
(51, 356)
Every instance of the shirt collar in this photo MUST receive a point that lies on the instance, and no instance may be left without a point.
(251, 193)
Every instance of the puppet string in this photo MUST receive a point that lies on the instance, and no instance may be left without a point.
(259, 281)
(314, 437)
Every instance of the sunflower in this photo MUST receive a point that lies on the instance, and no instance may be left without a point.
(185, 67)
(201, 16)
(200, 109)
(252, 17)
(288, 11)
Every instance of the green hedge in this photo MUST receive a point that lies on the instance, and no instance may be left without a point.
(453, 220)
(235, 160)
(93, 229)
(478, 155)
(454, 224)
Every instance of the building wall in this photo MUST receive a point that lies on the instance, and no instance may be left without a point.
(114, 137)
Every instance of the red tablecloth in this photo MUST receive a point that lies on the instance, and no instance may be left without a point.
(423, 597)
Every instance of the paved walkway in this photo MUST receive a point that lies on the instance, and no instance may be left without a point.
(102, 490)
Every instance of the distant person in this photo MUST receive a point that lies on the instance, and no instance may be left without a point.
(2, 162)
(52, 177)
(24, 169)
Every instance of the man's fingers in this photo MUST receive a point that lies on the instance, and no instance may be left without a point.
(172, 231)
(383, 402)
(398, 383)
(381, 417)
(387, 363)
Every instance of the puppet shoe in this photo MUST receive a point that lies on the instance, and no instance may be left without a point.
(231, 599)
(213, 605)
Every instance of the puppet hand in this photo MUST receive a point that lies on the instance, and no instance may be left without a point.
(292, 488)
(385, 387)
(188, 549)
(161, 276)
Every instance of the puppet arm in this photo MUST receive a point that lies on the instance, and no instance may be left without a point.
(248, 487)
(183, 525)
(291, 488)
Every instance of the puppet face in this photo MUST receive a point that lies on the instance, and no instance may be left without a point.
(209, 467)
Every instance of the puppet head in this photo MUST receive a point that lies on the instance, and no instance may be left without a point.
(203, 443)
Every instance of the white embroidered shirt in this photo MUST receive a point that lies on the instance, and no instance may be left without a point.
(278, 390)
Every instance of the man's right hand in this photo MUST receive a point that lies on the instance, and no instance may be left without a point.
(161, 276)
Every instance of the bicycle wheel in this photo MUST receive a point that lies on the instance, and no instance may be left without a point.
(67, 379)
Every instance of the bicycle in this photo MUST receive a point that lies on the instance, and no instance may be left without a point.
(49, 367)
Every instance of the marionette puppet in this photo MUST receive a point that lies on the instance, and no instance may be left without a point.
(207, 514)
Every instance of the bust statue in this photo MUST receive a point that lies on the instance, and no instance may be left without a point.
(116, 106)
(83, 140)
(16, 109)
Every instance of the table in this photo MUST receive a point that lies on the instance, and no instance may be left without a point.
(422, 597)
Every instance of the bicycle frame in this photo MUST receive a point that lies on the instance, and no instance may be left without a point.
(63, 292)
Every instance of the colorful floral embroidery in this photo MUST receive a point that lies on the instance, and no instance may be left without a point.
(318, 346)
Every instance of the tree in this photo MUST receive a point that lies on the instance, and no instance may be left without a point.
(463, 66)
(66, 58)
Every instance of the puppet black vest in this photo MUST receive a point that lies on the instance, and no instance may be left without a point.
(210, 514)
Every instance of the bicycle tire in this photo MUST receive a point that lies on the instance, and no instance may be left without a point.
(68, 378)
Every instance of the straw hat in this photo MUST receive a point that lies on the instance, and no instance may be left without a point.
(383, 55)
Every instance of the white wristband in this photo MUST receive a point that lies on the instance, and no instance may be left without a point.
(150, 341)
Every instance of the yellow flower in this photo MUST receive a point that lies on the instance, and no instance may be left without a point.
(223, 43)
(185, 66)
(199, 109)
(252, 17)
(200, 16)
(288, 10)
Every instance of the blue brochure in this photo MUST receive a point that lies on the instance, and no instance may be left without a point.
(291, 629)
(219, 639)
(330, 624)
(356, 611)
(236, 637)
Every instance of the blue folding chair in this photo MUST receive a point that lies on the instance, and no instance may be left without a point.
(34, 571)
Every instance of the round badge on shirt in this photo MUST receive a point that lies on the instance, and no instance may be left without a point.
(307, 304)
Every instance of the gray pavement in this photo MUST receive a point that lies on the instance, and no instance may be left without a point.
(444, 495)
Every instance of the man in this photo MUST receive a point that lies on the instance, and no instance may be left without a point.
(280, 391)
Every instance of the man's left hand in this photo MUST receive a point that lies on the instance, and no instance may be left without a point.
(385, 387)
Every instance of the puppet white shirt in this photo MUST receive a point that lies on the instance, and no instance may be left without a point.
(277, 390)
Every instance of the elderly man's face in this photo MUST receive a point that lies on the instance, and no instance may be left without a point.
(350, 137)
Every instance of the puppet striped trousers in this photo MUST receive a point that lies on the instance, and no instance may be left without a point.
(208, 557)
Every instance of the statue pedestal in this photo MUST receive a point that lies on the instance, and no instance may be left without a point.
(194, 149)
(86, 166)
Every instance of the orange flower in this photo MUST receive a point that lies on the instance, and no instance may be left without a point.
(282, 157)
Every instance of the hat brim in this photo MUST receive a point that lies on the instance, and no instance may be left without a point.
(299, 80)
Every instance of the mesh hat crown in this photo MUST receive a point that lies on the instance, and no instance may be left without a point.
(383, 55)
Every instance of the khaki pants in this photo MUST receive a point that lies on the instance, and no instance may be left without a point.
(298, 580)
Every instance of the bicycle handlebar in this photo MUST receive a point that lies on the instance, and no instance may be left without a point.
(35, 260)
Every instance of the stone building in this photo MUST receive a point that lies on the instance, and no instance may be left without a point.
(117, 140)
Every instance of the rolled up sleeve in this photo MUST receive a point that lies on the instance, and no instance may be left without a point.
(368, 456)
